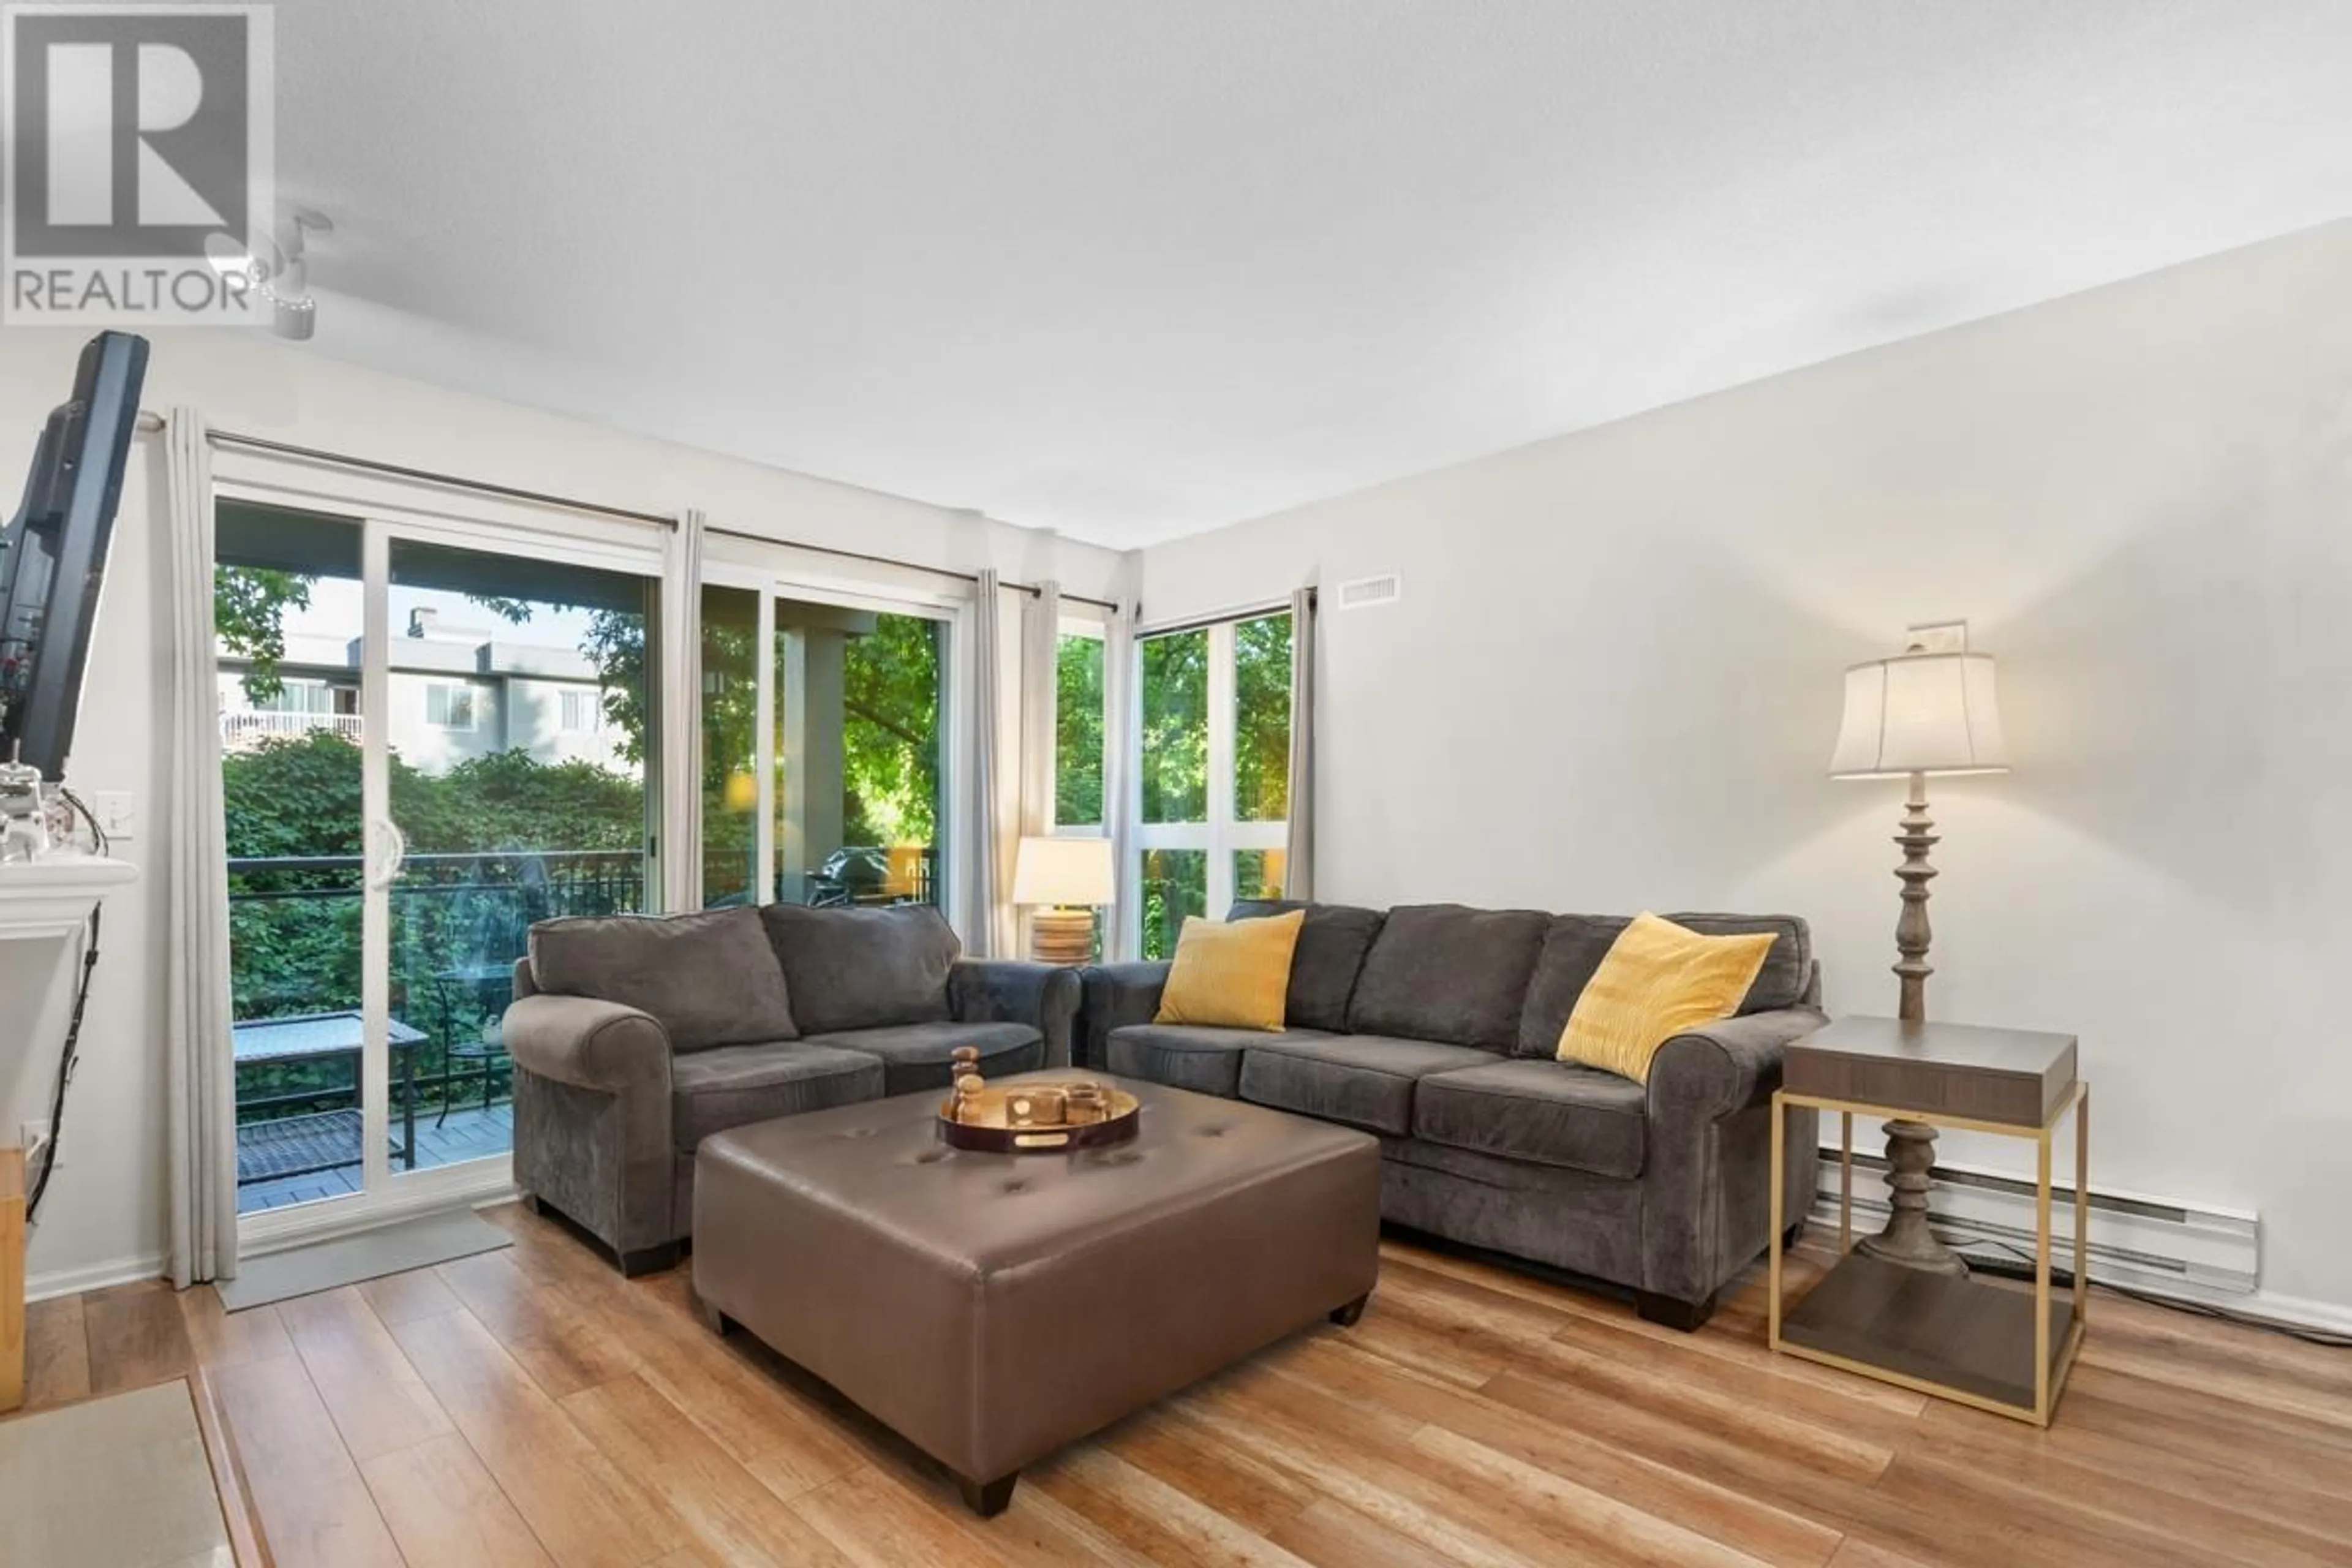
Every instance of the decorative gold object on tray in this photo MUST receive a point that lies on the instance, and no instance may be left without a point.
(1033, 1117)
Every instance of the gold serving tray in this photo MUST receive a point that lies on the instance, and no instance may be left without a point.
(1037, 1116)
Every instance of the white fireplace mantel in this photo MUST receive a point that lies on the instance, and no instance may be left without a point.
(52, 898)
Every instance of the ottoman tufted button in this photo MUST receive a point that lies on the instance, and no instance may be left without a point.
(857, 1132)
(930, 1156)
(1016, 1185)
(1214, 1130)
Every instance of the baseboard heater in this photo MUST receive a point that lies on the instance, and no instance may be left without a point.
(2175, 1249)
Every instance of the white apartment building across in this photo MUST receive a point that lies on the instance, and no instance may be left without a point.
(455, 693)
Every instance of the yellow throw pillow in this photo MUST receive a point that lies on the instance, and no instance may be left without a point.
(1236, 974)
(1658, 980)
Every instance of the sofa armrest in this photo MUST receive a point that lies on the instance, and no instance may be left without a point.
(1704, 1074)
(1707, 1189)
(1114, 995)
(1005, 990)
(590, 1044)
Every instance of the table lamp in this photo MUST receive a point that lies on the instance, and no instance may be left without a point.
(1930, 709)
(1068, 878)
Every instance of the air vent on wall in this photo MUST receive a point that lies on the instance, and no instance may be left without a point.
(1365, 592)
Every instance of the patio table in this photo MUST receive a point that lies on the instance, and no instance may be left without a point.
(315, 1037)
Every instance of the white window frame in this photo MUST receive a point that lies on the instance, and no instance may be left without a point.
(580, 700)
(449, 691)
(310, 687)
(1222, 835)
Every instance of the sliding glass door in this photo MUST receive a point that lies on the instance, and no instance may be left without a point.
(289, 597)
(473, 749)
(517, 732)
(826, 769)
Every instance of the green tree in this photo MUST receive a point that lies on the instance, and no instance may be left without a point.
(890, 732)
(249, 605)
(1262, 719)
(1174, 750)
(1079, 731)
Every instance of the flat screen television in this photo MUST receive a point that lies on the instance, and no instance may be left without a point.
(53, 555)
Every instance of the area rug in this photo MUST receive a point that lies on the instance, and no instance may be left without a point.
(118, 1482)
(348, 1259)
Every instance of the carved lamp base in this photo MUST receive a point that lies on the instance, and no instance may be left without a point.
(1906, 1240)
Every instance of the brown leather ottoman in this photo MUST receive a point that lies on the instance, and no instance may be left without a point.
(992, 1308)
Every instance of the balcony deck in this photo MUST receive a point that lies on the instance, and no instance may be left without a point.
(470, 1134)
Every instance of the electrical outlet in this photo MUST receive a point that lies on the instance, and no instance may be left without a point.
(35, 1137)
(115, 813)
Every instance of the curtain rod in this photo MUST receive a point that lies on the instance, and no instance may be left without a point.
(152, 422)
(1029, 588)
(1249, 612)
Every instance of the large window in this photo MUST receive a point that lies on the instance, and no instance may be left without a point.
(1213, 771)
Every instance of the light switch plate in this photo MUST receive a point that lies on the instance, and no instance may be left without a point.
(115, 812)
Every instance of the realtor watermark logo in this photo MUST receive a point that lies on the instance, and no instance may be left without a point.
(135, 133)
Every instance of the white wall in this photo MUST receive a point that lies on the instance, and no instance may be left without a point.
(1613, 680)
(104, 1215)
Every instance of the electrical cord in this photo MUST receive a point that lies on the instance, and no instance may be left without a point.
(71, 1054)
(2062, 1278)
(66, 1061)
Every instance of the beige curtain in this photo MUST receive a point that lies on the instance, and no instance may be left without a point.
(994, 842)
(1119, 778)
(201, 1163)
(1299, 859)
(1040, 647)
(681, 716)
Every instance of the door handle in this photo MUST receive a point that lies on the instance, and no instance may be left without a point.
(387, 849)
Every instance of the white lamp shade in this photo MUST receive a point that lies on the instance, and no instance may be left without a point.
(1070, 872)
(1920, 714)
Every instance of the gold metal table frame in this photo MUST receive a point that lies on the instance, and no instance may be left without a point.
(2050, 1370)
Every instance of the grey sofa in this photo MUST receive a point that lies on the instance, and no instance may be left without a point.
(635, 1038)
(1434, 1027)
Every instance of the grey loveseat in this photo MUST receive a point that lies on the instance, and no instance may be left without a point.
(635, 1036)
(1434, 1027)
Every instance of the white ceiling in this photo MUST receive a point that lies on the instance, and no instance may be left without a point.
(1131, 269)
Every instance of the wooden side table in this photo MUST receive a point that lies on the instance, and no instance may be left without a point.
(1980, 1342)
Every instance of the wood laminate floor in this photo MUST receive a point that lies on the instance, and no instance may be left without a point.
(529, 1407)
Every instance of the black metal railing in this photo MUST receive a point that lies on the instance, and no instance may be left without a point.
(458, 922)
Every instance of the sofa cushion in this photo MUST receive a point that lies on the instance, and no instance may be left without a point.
(1330, 955)
(918, 1056)
(709, 977)
(1553, 1113)
(734, 1085)
(1362, 1079)
(863, 969)
(1185, 1055)
(1231, 975)
(1660, 980)
(1445, 973)
(1574, 946)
